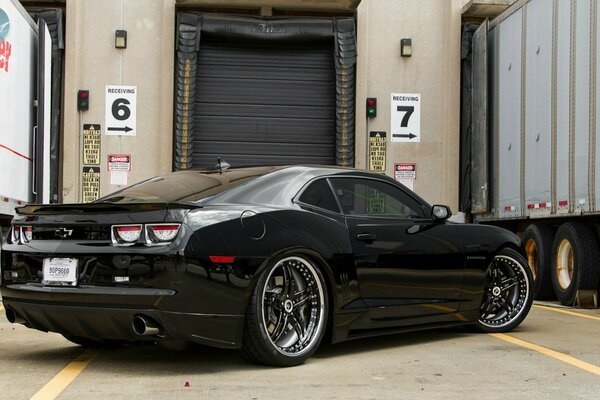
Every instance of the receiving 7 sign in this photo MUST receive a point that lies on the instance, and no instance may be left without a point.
(406, 117)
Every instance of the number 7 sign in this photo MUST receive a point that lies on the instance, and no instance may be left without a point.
(121, 103)
(406, 117)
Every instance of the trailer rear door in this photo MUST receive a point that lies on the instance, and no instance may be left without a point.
(479, 139)
(41, 159)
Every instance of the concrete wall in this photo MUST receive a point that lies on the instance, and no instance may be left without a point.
(92, 62)
(433, 71)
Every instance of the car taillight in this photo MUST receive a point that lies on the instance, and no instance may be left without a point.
(126, 234)
(26, 234)
(15, 236)
(161, 233)
(20, 234)
(154, 234)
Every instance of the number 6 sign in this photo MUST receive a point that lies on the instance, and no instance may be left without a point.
(120, 114)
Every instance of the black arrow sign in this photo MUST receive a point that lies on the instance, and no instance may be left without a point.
(121, 128)
(398, 135)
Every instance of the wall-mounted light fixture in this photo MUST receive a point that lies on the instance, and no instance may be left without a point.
(406, 47)
(120, 39)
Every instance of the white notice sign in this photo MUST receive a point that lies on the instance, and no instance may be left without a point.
(121, 104)
(118, 178)
(406, 117)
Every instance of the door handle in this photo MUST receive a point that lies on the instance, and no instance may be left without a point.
(366, 237)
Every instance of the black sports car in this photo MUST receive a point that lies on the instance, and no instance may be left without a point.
(267, 259)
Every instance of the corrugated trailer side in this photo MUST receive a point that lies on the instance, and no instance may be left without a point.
(542, 85)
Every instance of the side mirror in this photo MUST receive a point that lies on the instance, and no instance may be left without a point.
(440, 213)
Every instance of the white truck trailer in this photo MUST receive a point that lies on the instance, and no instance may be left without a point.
(25, 49)
(532, 145)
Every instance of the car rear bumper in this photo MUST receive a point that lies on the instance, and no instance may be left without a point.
(107, 313)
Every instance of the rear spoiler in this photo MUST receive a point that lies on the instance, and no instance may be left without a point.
(99, 207)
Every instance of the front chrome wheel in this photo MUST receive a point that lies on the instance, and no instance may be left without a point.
(287, 314)
(507, 298)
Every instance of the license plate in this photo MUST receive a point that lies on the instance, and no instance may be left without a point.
(60, 271)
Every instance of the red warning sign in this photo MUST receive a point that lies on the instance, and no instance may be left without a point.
(119, 162)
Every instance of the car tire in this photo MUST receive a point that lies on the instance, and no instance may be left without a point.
(537, 244)
(287, 313)
(574, 261)
(508, 294)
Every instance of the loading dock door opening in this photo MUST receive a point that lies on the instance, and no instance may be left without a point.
(261, 102)
(259, 91)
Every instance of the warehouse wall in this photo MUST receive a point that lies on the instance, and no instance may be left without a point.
(92, 62)
(433, 71)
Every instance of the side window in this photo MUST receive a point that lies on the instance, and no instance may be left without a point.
(376, 198)
(319, 194)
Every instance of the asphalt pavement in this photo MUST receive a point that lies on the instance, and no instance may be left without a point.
(554, 354)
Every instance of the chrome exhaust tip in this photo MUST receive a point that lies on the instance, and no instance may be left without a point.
(145, 326)
(13, 317)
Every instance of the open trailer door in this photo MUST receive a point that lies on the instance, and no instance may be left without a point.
(41, 159)
(479, 139)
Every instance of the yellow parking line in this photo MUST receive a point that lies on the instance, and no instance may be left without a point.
(1, 308)
(560, 310)
(59, 383)
(594, 369)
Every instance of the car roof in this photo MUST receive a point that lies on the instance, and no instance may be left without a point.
(261, 185)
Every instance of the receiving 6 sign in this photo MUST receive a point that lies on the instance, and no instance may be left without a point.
(121, 104)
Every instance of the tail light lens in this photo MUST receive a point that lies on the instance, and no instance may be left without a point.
(15, 235)
(20, 234)
(26, 234)
(126, 235)
(155, 234)
(161, 233)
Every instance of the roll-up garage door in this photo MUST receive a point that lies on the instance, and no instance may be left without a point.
(264, 90)
(259, 102)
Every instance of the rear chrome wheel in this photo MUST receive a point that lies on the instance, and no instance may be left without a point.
(508, 295)
(287, 314)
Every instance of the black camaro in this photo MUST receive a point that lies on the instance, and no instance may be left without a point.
(267, 259)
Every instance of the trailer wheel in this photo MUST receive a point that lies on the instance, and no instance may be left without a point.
(537, 244)
(574, 261)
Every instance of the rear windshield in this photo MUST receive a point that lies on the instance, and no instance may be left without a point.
(184, 186)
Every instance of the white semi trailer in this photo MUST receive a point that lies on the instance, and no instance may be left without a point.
(25, 49)
(534, 139)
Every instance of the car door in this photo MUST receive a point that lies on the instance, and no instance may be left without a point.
(407, 265)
